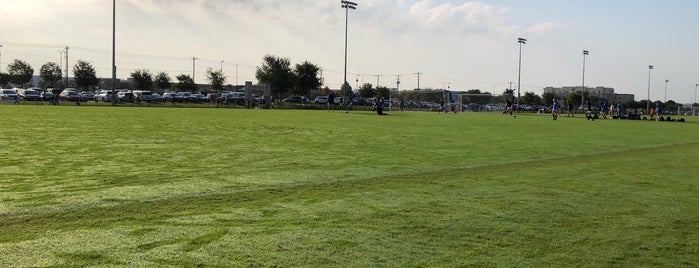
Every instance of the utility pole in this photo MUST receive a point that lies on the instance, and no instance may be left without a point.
(390, 99)
(66, 84)
(418, 80)
(321, 77)
(236, 74)
(194, 59)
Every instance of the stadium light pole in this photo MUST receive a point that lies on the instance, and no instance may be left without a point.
(194, 64)
(695, 98)
(0, 55)
(650, 67)
(582, 98)
(222, 61)
(236, 73)
(347, 5)
(666, 81)
(521, 41)
(114, 100)
(60, 51)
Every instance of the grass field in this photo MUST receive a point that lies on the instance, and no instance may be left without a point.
(105, 186)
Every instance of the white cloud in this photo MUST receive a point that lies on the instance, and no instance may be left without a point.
(541, 28)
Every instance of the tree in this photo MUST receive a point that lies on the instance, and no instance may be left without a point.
(548, 98)
(476, 96)
(50, 73)
(185, 83)
(4, 79)
(531, 98)
(216, 78)
(277, 72)
(84, 75)
(382, 92)
(162, 81)
(19, 72)
(510, 93)
(143, 79)
(306, 75)
(367, 91)
(325, 91)
(670, 106)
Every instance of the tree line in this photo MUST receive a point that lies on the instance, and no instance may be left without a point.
(275, 71)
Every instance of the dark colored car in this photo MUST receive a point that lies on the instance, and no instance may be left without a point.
(295, 99)
(70, 95)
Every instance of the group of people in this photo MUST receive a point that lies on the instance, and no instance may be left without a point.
(615, 112)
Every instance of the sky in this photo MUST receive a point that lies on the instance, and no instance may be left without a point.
(459, 45)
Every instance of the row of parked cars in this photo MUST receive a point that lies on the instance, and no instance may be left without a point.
(26, 94)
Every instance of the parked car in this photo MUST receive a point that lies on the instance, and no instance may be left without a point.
(70, 94)
(143, 95)
(155, 97)
(321, 100)
(173, 97)
(235, 97)
(104, 95)
(125, 96)
(295, 99)
(199, 98)
(45, 94)
(8, 94)
(87, 96)
(29, 94)
(187, 96)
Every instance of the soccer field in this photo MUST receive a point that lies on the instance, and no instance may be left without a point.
(116, 186)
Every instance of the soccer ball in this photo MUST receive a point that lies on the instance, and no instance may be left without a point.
(514, 116)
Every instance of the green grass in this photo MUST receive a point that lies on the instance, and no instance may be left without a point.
(84, 186)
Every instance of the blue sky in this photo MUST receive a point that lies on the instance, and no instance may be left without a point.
(457, 44)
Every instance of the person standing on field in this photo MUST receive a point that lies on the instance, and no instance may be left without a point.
(554, 109)
(331, 102)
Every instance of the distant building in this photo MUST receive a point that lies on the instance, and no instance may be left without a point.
(606, 93)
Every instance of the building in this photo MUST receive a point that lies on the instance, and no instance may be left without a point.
(606, 93)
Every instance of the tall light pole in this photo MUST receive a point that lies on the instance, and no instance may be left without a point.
(650, 67)
(65, 85)
(194, 61)
(222, 61)
(0, 56)
(582, 98)
(695, 97)
(666, 81)
(236, 73)
(521, 41)
(114, 100)
(347, 5)
(60, 52)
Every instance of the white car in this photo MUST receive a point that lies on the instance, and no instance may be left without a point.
(321, 100)
(8, 94)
